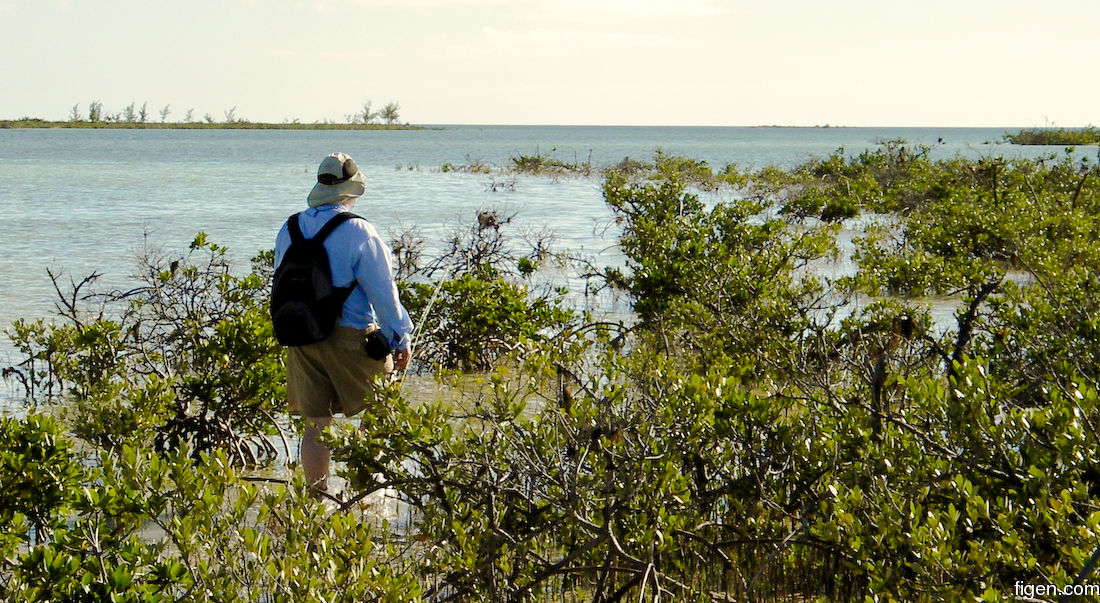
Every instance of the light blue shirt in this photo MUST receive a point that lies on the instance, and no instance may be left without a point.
(357, 254)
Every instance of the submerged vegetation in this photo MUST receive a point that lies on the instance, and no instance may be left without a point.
(1060, 136)
(753, 430)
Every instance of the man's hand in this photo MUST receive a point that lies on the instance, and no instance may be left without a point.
(401, 359)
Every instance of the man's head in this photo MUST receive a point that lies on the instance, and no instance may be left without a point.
(338, 181)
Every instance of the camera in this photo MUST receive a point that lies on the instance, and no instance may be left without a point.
(376, 345)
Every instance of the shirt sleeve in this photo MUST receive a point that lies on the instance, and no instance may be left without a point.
(375, 274)
(282, 242)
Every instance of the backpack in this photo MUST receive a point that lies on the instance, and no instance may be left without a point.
(304, 303)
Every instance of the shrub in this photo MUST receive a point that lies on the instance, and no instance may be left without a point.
(185, 356)
(748, 436)
(479, 299)
(1060, 136)
(142, 526)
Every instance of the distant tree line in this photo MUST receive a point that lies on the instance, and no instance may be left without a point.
(388, 115)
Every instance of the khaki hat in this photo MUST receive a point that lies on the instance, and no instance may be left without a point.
(338, 179)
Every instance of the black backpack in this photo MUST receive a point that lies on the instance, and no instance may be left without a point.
(304, 303)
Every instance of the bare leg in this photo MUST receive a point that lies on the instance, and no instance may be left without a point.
(314, 455)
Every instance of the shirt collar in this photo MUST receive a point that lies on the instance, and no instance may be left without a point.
(327, 208)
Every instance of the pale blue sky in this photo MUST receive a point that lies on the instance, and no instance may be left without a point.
(645, 62)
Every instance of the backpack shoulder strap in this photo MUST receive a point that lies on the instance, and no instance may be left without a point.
(331, 225)
(294, 229)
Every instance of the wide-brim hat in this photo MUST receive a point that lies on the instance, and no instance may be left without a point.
(338, 180)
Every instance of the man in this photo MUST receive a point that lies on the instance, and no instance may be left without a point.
(335, 375)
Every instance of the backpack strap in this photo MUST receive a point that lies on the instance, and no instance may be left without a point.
(295, 229)
(331, 225)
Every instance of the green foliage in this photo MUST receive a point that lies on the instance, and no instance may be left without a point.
(747, 433)
(894, 177)
(479, 316)
(141, 526)
(987, 217)
(389, 113)
(1060, 136)
(645, 475)
(487, 302)
(878, 453)
(38, 474)
(528, 496)
(693, 173)
(836, 211)
(1046, 334)
(718, 280)
(542, 164)
(186, 356)
(957, 494)
(682, 169)
(95, 111)
(472, 166)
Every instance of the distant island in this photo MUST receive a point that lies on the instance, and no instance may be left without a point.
(138, 118)
(1060, 136)
(32, 122)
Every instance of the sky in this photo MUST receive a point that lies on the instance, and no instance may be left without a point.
(983, 63)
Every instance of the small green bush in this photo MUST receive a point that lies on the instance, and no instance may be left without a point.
(186, 356)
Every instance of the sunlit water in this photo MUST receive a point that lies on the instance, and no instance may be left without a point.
(79, 201)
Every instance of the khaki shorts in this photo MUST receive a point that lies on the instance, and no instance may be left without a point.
(333, 376)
